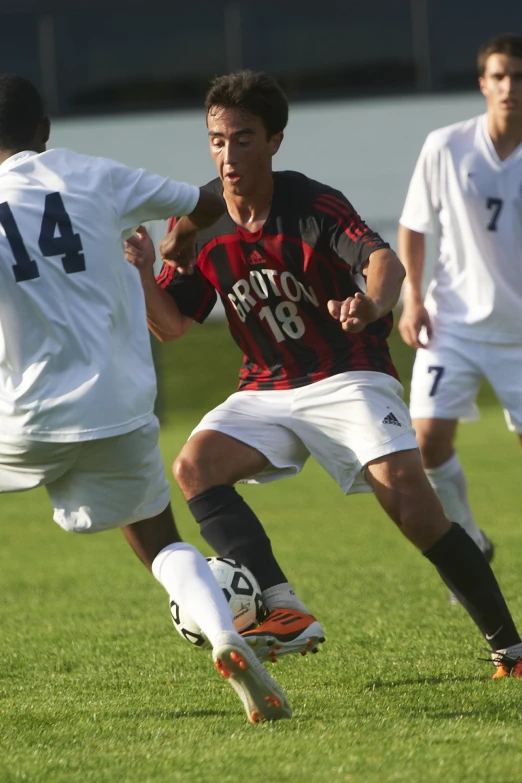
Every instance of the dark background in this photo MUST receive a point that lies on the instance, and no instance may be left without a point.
(123, 55)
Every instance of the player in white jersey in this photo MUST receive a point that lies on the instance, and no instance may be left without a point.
(77, 382)
(467, 187)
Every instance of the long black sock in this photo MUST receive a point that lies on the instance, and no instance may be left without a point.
(466, 572)
(232, 529)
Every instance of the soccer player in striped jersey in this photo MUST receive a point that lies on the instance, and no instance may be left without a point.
(308, 290)
(77, 382)
(467, 187)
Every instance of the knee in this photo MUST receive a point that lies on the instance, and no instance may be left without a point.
(186, 470)
(196, 469)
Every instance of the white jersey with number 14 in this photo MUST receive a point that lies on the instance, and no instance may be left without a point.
(473, 200)
(75, 357)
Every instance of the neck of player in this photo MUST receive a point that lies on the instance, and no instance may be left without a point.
(5, 154)
(505, 133)
(251, 210)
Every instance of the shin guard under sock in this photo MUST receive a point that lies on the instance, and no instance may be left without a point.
(232, 529)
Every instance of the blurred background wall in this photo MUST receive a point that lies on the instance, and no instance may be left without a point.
(366, 148)
(366, 79)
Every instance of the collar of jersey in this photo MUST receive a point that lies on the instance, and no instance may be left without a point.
(14, 159)
(491, 151)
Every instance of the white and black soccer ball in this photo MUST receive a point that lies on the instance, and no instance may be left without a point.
(242, 592)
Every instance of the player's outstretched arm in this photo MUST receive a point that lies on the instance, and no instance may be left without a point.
(163, 316)
(178, 247)
(414, 317)
(385, 274)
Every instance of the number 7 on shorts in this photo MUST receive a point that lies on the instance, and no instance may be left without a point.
(439, 372)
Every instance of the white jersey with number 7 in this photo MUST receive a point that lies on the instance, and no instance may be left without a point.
(461, 190)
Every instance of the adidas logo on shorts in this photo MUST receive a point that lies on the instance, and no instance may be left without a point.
(391, 418)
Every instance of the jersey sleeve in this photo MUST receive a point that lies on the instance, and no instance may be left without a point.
(346, 233)
(420, 207)
(140, 195)
(194, 295)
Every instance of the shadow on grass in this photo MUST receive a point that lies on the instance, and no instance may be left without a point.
(422, 681)
(172, 714)
(490, 711)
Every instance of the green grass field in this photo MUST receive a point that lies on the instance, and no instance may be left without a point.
(97, 687)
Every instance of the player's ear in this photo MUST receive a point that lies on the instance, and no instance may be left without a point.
(275, 142)
(482, 84)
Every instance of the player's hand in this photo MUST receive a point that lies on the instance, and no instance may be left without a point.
(178, 249)
(414, 320)
(139, 250)
(354, 313)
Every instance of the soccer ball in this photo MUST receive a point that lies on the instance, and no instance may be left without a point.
(242, 592)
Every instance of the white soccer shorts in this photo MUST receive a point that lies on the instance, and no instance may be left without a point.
(344, 422)
(447, 376)
(93, 485)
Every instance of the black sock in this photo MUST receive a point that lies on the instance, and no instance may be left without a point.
(466, 572)
(232, 529)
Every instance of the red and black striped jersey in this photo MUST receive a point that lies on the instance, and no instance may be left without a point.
(275, 285)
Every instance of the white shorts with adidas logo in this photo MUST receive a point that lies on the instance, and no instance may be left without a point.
(344, 422)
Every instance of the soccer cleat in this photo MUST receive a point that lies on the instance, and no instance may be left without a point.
(506, 669)
(488, 550)
(508, 662)
(262, 697)
(285, 631)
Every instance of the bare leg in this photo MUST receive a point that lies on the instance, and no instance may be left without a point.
(211, 458)
(404, 492)
(149, 536)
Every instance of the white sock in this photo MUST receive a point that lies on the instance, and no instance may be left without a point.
(449, 482)
(283, 597)
(187, 578)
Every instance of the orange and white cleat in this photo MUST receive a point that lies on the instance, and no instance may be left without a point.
(508, 662)
(508, 671)
(285, 631)
(262, 697)
(508, 667)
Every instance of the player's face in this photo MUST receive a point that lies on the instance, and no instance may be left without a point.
(501, 85)
(241, 150)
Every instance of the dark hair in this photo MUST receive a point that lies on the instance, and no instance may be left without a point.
(21, 109)
(256, 93)
(500, 44)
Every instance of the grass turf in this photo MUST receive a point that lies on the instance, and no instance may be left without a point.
(97, 687)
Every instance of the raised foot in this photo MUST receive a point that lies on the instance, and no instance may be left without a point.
(262, 697)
